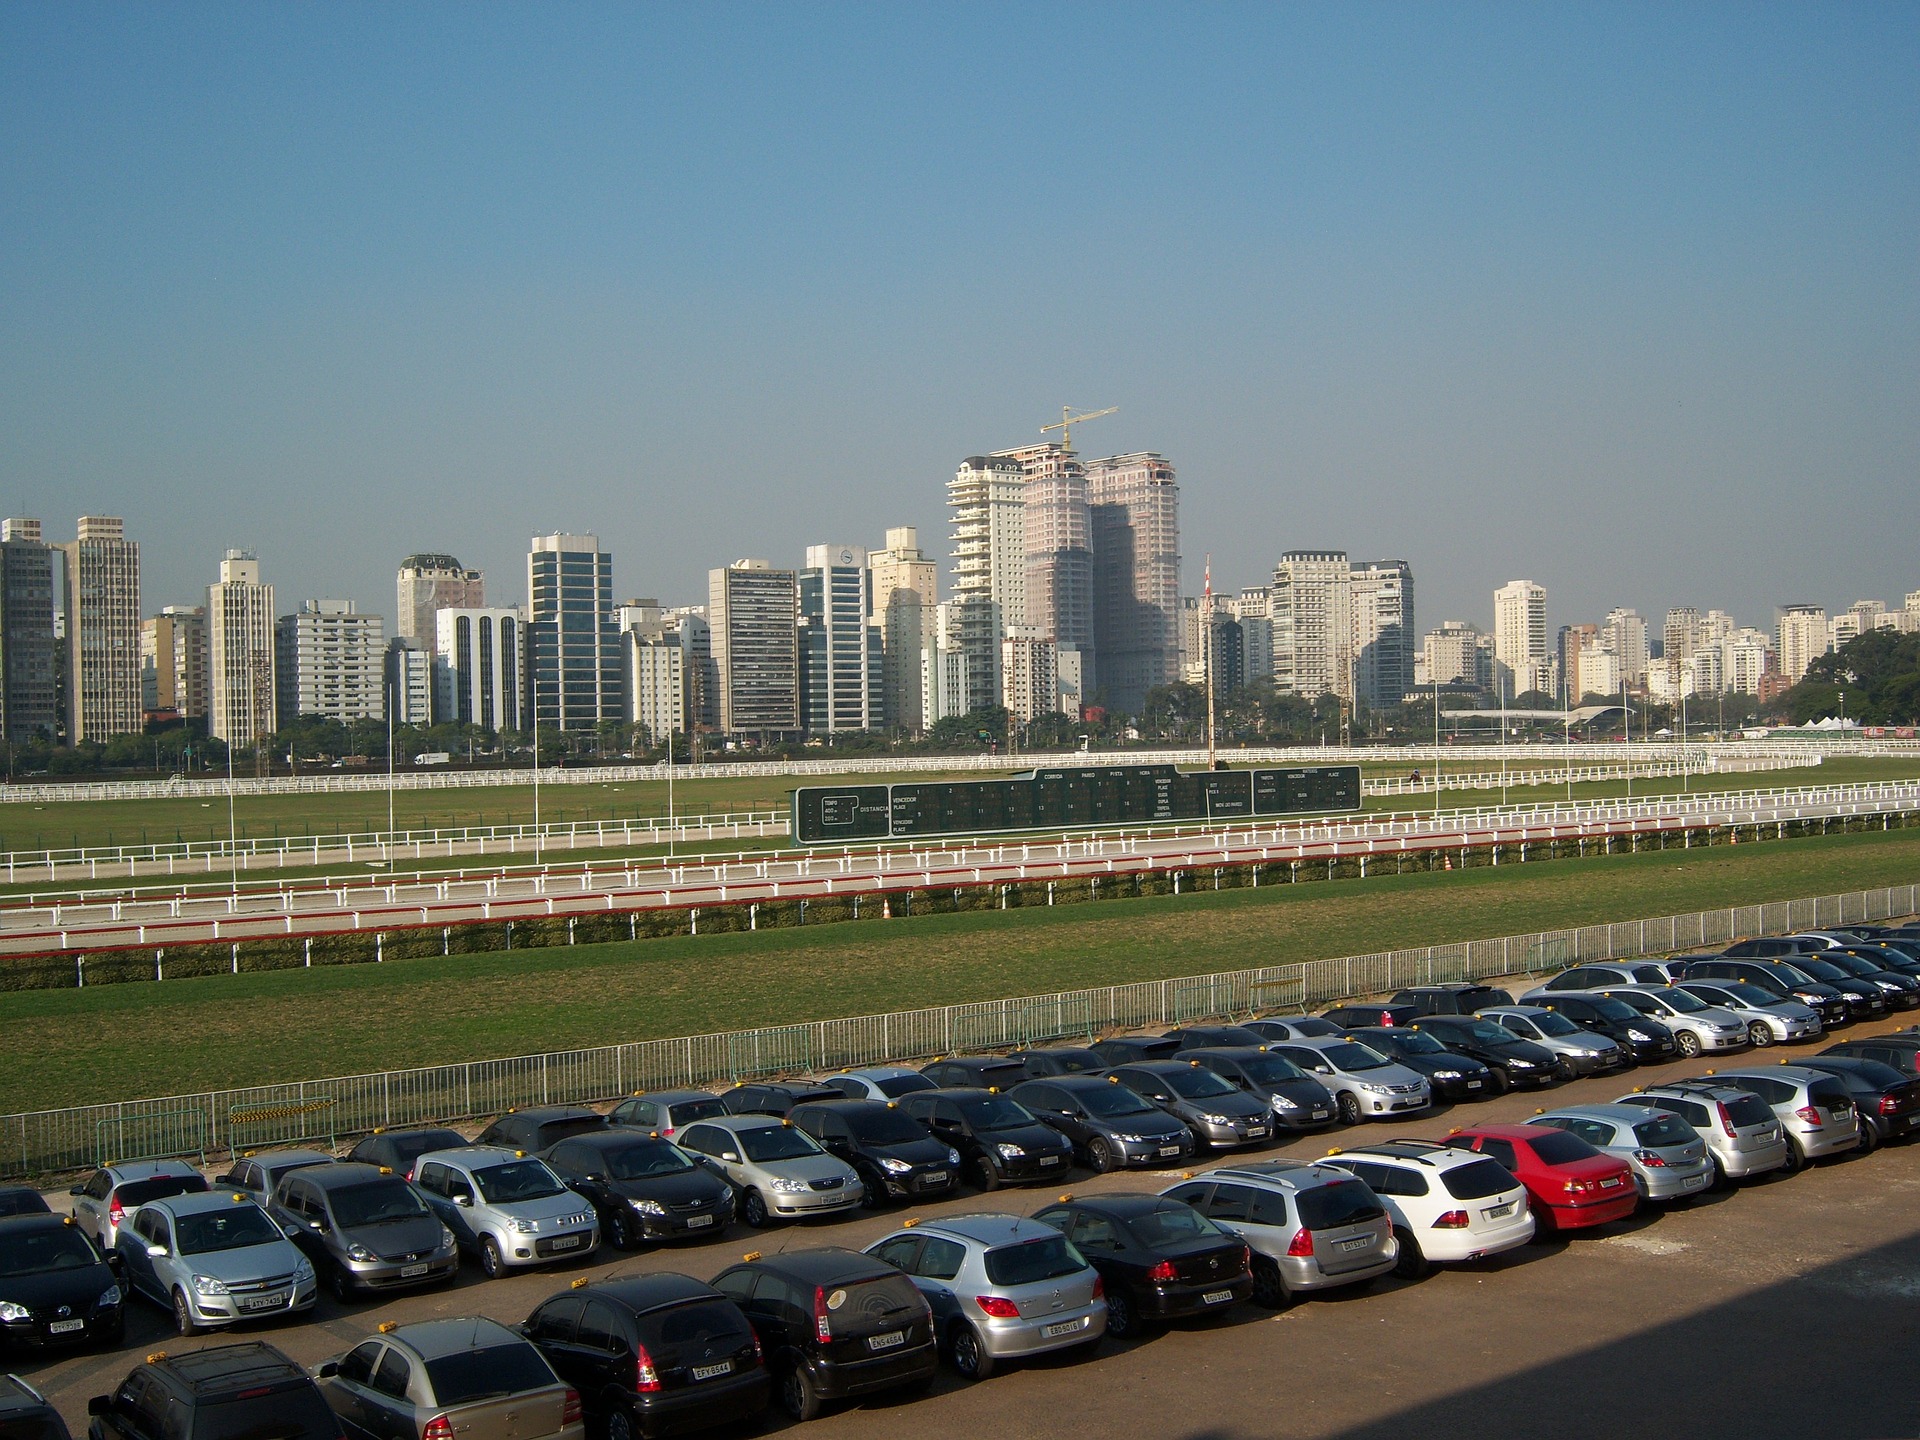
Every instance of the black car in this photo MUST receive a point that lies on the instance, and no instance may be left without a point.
(1109, 1125)
(1641, 1036)
(1866, 1000)
(1902, 957)
(1134, 1049)
(1297, 1100)
(56, 1288)
(23, 1200)
(775, 1098)
(1159, 1259)
(1773, 947)
(1058, 1060)
(1899, 989)
(396, 1150)
(834, 1324)
(665, 1111)
(1371, 1017)
(999, 1140)
(894, 1156)
(1294, 1027)
(1197, 1037)
(225, 1392)
(642, 1188)
(1452, 1077)
(535, 1130)
(1217, 1113)
(25, 1413)
(1901, 1050)
(1779, 978)
(975, 1072)
(1887, 1102)
(652, 1354)
(1517, 1062)
(1454, 999)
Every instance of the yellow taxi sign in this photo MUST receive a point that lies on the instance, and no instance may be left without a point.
(751, 1255)
(387, 1327)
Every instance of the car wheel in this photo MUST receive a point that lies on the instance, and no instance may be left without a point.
(341, 1284)
(1123, 1322)
(1412, 1263)
(1349, 1108)
(1269, 1288)
(183, 1322)
(873, 1192)
(970, 1358)
(1687, 1044)
(621, 1231)
(985, 1176)
(491, 1261)
(1760, 1035)
(1099, 1155)
(1796, 1158)
(753, 1209)
(619, 1424)
(798, 1395)
(1869, 1140)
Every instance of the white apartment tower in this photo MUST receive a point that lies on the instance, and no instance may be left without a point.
(477, 666)
(330, 661)
(1803, 639)
(986, 501)
(840, 648)
(240, 652)
(1626, 641)
(1383, 645)
(1519, 636)
(1312, 608)
(1029, 672)
(103, 630)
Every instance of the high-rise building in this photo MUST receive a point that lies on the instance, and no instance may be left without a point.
(906, 587)
(1134, 502)
(1910, 608)
(1803, 639)
(947, 685)
(330, 661)
(1680, 633)
(409, 680)
(1312, 607)
(1575, 641)
(240, 652)
(29, 665)
(1625, 635)
(1381, 602)
(572, 648)
(1029, 677)
(753, 612)
(173, 662)
(656, 673)
(103, 630)
(840, 648)
(428, 583)
(699, 674)
(1059, 547)
(986, 501)
(1519, 636)
(1252, 609)
(1746, 656)
(477, 666)
(1458, 654)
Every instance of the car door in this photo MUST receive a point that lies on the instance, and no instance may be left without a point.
(1057, 1108)
(432, 1178)
(90, 1205)
(602, 1344)
(641, 1114)
(347, 1389)
(1496, 1148)
(132, 1245)
(1517, 1025)
(933, 1268)
(389, 1413)
(552, 1329)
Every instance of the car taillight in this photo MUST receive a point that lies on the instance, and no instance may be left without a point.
(1099, 1288)
(1452, 1220)
(1649, 1159)
(1163, 1271)
(570, 1407)
(1889, 1105)
(1246, 1257)
(822, 1328)
(998, 1306)
(1726, 1120)
(759, 1355)
(1809, 1113)
(1581, 1187)
(116, 1212)
(438, 1428)
(645, 1378)
(668, 1132)
(1301, 1246)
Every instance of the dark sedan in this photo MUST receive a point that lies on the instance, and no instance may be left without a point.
(55, 1287)
(1298, 1101)
(642, 1188)
(1901, 990)
(894, 1156)
(1159, 1259)
(1217, 1113)
(975, 1072)
(1198, 1037)
(1887, 1102)
(22, 1200)
(1452, 1076)
(999, 1140)
(1641, 1036)
(1108, 1124)
(775, 1099)
(1058, 1060)
(1517, 1062)
(535, 1130)
(396, 1150)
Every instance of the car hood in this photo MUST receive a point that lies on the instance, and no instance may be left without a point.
(1238, 1105)
(804, 1167)
(248, 1262)
(1392, 1073)
(78, 1287)
(547, 1207)
(412, 1236)
(1304, 1091)
(1431, 1065)
(684, 1188)
(1036, 1137)
(912, 1152)
(1510, 1049)
(1580, 1044)
(1151, 1123)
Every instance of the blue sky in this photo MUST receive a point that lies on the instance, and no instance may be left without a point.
(1621, 298)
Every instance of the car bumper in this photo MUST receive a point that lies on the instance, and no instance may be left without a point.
(1147, 1153)
(1651, 1052)
(1236, 1133)
(1532, 1079)
(1375, 1105)
(1170, 1301)
(1604, 1064)
(1304, 1274)
(1305, 1117)
(1004, 1339)
(1587, 1214)
(693, 1225)
(1033, 1169)
(232, 1309)
(1467, 1087)
(1796, 1029)
(104, 1326)
(843, 1379)
(923, 1184)
(702, 1405)
(530, 1250)
(384, 1276)
(1720, 1044)
(1672, 1182)
(1818, 1144)
(1741, 1164)
(1493, 1238)
(815, 1202)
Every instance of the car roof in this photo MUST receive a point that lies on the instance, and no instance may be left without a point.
(28, 1224)
(640, 1293)
(1312, 1042)
(1071, 1083)
(1694, 1089)
(1503, 1132)
(541, 1115)
(1233, 1052)
(431, 1339)
(974, 1062)
(1151, 1067)
(846, 1105)
(470, 1155)
(287, 1157)
(1522, 1009)
(124, 1170)
(1798, 1074)
(1293, 1174)
(1411, 1152)
(618, 1135)
(202, 1201)
(17, 1395)
(247, 1363)
(955, 1092)
(735, 1123)
(1626, 1114)
(674, 1097)
(390, 1132)
(824, 1264)
(347, 1172)
(877, 1072)
(989, 1228)
(1121, 1203)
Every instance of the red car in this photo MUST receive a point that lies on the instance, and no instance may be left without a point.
(1570, 1186)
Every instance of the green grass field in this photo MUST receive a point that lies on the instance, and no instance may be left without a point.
(73, 1047)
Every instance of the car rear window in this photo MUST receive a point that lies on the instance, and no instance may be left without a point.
(886, 1127)
(1749, 1110)
(1664, 1130)
(1032, 1261)
(1344, 1202)
(1478, 1180)
(900, 1085)
(467, 1375)
(700, 1323)
(294, 1413)
(139, 1192)
(1830, 1093)
(1880, 1077)
(554, 1131)
(31, 1427)
(1003, 1076)
(1171, 1225)
(878, 1304)
(685, 1112)
(22, 1202)
(1560, 1148)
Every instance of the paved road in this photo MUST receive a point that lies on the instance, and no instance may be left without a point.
(1784, 1309)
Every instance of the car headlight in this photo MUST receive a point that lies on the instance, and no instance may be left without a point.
(448, 1239)
(1642, 1036)
(302, 1271)
(1887, 985)
(893, 1166)
(1009, 1151)
(1125, 1139)
(1519, 1064)
(1446, 1074)
(109, 1297)
(1281, 1102)
(1216, 1119)
(207, 1285)
(523, 1226)
(953, 1157)
(788, 1187)
(360, 1254)
(10, 1312)
(654, 1207)
(1373, 1089)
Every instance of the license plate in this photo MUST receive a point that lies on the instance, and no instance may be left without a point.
(1610, 1184)
(1049, 1159)
(1216, 1297)
(1500, 1212)
(1063, 1327)
(407, 1272)
(567, 1242)
(1351, 1245)
(1256, 1132)
(1473, 1084)
(65, 1327)
(1698, 1180)
(888, 1341)
(694, 1222)
(1321, 1114)
(262, 1302)
(1166, 1150)
(707, 1372)
(936, 1177)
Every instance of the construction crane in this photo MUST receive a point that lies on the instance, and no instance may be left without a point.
(1068, 420)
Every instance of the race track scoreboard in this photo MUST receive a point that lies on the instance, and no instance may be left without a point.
(1066, 799)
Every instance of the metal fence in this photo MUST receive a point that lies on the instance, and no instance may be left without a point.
(51, 1140)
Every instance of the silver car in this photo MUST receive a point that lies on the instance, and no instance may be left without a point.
(113, 1193)
(1581, 1051)
(1365, 1083)
(1815, 1112)
(777, 1170)
(1770, 1019)
(438, 1379)
(1669, 1161)
(257, 1174)
(1742, 1137)
(1001, 1287)
(508, 1209)
(878, 1082)
(1698, 1028)
(213, 1259)
(364, 1227)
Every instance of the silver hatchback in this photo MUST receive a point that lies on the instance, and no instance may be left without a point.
(215, 1258)
(1668, 1160)
(1742, 1137)
(1581, 1052)
(1001, 1287)
(1814, 1110)
(508, 1209)
(1366, 1085)
(777, 1170)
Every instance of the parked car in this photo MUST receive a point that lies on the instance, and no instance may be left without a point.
(1815, 1112)
(1000, 1141)
(1465, 998)
(1366, 1085)
(1001, 1287)
(465, 1376)
(507, 1210)
(665, 1112)
(1135, 1049)
(1372, 1017)
(246, 1389)
(1217, 1114)
(775, 1099)
(1298, 1101)
(1866, 999)
(1058, 1060)
(1447, 1205)
(1772, 947)
(833, 1324)
(1896, 955)
(1887, 1102)
(778, 1172)
(1641, 1036)
(1743, 1139)
(56, 1287)
(1900, 1050)
(114, 1192)
(25, 1413)
(212, 1260)
(1780, 979)
(1581, 1052)
(1293, 1027)
(1451, 1076)
(532, 1131)
(1516, 1062)
(1698, 1028)
(364, 1229)
(642, 1188)
(1570, 1185)
(1901, 990)
(1602, 977)
(1196, 1037)
(976, 1072)
(398, 1149)
(1110, 1126)
(22, 1200)
(1669, 1161)
(256, 1175)
(1770, 1020)
(891, 1152)
(652, 1355)
(1158, 1258)
(880, 1082)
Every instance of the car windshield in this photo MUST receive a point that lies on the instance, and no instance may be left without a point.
(776, 1142)
(1193, 1083)
(1412, 1042)
(1032, 1261)
(1681, 1002)
(515, 1181)
(1112, 1102)
(1478, 1180)
(1074, 1062)
(139, 1192)
(1819, 969)
(376, 1203)
(1270, 1070)
(1171, 1225)
(39, 1251)
(994, 1112)
(646, 1158)
(225, 1229)
(885, 1127)
(1560, 1148)
(494, 1371)
(1353, 1056)
(1853, 964)
(894, 1086)
(1555, 1026)
(1486, 1032)
(1664, 1130)
(1608, 1008)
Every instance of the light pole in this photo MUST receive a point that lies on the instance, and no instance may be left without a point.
(1436, 743)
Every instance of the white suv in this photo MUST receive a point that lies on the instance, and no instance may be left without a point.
(1446, 1204)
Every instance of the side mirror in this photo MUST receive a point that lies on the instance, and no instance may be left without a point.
(156, 1252)
(316, 1226)
(327, 1371)
(77, 1191)
(463, 1200)
(100, 1405)
(228, 1179)
(595, 1179)
(730, 1155)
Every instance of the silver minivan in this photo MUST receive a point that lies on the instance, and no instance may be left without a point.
(508, 1209)
(1742, 1136)
(778, 1170)
(1814, 1110)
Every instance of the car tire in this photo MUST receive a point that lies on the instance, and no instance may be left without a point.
(799, 1396)
(492, 1263)
(1269, 1286)
(619, 1422)
(753, 1210)
(1722, 1182)
(1759, 1033)
(621, 1231)
(1686, 1044)
(873, 1192)
(341, 1284)
(184, 1325)
(1869, 1140)
(1796, 1158)
(1123, 1321)
(1349, 1108)
(987, 1178)
(970, 1358)
(1099, 1155)
(1413, 1263)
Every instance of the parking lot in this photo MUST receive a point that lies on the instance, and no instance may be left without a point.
(1784, 1308)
